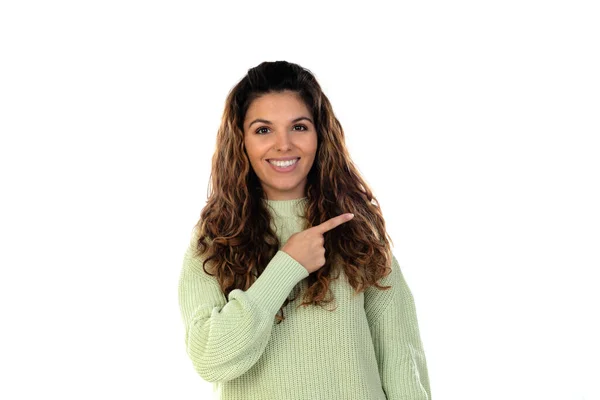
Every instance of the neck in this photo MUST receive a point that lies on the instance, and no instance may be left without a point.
(287, 208)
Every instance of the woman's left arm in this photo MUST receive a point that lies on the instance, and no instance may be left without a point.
(395, 332)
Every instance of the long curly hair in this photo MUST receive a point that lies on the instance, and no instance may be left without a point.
(234, 234)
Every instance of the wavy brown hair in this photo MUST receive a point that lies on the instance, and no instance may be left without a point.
(234, 234)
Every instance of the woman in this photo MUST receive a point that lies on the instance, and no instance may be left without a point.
(277, 234)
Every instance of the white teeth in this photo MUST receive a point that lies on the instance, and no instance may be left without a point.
(283, 163)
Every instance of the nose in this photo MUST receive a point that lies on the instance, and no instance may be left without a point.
(282, 141)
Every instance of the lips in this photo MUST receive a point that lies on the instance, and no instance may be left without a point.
(291, 166)
(283, 159)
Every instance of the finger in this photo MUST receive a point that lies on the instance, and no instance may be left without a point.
(334, 222)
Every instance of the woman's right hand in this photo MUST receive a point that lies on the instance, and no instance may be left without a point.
(306, 247)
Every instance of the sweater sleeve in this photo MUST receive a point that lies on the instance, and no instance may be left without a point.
(225, 337)
(395, 332)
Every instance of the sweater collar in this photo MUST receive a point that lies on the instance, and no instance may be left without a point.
(287, 208)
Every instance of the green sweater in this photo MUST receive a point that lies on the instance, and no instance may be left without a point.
(369, 348)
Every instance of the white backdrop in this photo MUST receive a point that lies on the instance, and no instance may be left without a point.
(475, 123)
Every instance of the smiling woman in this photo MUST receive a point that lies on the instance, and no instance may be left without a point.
(278, 224)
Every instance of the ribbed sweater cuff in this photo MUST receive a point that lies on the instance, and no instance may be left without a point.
(273, 286)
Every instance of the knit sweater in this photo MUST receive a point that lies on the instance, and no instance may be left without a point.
(369, 348)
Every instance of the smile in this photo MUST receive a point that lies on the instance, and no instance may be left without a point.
(283, 166)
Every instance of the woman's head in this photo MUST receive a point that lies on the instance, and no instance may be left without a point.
(279, 110)
(281, 93)
(279, 128)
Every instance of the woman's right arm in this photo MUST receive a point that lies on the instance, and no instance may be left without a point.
(225, 338)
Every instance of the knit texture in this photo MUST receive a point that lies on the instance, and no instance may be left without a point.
(369, 348)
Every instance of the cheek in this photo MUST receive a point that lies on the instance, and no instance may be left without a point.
(311, 145)
(255, 151)
(250, 148)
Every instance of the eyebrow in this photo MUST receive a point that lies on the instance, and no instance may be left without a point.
(264, 121)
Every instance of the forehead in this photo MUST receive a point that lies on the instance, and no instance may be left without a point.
(283, 104)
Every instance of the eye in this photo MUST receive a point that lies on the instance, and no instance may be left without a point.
(261, 132)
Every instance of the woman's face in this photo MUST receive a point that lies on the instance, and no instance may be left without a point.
(279, 125)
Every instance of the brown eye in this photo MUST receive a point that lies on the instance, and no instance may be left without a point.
(259, 130)
(303, 126)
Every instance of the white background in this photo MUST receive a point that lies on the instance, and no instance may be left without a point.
(476, 123)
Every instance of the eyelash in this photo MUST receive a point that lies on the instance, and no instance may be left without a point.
(264, 127)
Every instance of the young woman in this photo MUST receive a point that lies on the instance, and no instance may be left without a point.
(289, 228)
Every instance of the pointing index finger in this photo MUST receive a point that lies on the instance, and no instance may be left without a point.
(334, 222)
